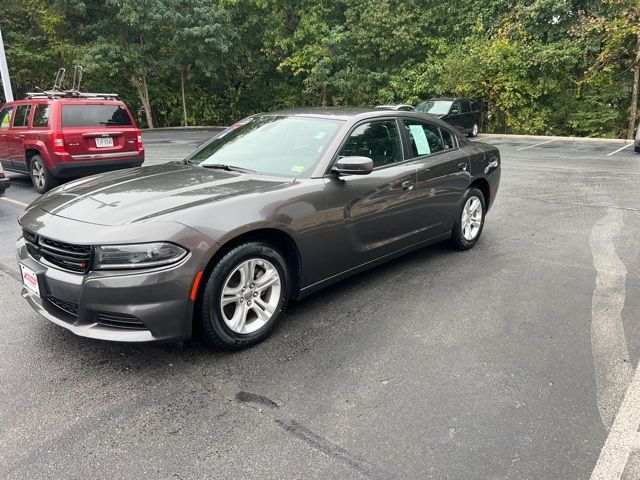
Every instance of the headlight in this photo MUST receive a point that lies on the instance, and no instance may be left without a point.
(142, 255)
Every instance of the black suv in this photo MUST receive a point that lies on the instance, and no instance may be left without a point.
(462, 113)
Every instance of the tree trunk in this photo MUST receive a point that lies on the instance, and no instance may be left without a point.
(323, 95)
(143, 93)
(183, 81)
(633, 111)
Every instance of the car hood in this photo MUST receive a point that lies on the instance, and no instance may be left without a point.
(146, 193)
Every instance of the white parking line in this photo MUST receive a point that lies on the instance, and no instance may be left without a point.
(536, 145)
(620, 149)
(11, 200)
(623, 436)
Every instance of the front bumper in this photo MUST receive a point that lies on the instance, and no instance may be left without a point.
(146, 306)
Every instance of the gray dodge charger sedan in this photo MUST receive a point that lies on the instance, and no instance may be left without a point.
(275, 207)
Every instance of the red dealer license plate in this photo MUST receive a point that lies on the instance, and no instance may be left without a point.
(30, 280)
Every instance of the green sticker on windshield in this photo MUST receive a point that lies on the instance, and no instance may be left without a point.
(297, 168)
(420, 139)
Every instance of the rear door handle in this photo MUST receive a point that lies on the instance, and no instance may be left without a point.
(462, 166)
(408, 185)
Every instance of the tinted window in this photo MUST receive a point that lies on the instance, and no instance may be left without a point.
(377, 140)
(447, 139)
(465, 106)
(424, 139)
(41, 116)
(280, 145)
(455, 106)
(94, 115)
(5, 117)
(435, 107)
(21, 118)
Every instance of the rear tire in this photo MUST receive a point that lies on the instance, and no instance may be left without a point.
(41, 177)
(637, 149)
(237, 309)
(469, 221)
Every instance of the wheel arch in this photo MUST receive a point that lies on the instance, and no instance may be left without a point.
(278, 238)
(483, 185)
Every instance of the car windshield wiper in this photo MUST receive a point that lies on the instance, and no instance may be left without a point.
(228, 168)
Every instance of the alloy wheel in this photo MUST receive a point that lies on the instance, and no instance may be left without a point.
(37, 171)
(471, 220)
(250, 296)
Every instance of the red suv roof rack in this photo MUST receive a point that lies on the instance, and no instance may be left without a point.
(73, 92)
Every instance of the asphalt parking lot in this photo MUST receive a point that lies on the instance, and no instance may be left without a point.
(514, 360)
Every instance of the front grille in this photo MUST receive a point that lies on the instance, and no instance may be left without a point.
(119, 320)
(76, 258)
(68, 307)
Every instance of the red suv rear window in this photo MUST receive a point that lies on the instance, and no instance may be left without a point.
(94, 115)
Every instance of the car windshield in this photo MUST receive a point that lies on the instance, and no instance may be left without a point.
(435, 107)
(271, 144)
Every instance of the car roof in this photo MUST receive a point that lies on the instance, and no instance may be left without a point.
(340, 113)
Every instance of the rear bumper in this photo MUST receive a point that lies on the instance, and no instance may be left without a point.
(88, 167)
(4, 184)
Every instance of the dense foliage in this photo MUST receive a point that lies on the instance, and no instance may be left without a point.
(538, 66)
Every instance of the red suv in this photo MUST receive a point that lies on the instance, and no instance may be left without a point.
(58, 138)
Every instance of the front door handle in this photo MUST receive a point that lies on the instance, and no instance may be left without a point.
(462, 166)
(408, 185)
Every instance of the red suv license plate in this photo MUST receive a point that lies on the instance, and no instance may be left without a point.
(104, 142)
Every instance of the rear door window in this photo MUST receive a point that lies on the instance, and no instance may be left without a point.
(5, 117)
(424, 139)
(21, 118)
(94, 116)
(41, 116)
(447, 139)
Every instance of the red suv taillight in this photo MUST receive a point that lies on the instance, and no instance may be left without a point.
(57, 141)
(139, 136)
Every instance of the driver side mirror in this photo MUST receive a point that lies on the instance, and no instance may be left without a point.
(353, 166)
(455, 111)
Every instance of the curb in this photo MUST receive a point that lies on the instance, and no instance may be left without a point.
(501, 136)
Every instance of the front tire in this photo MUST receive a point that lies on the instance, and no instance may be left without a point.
(474, 130)
(470, 220)
(41, 177)
(244, 297)
(637, 149)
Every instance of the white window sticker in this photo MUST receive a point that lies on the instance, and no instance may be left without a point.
(420, 139)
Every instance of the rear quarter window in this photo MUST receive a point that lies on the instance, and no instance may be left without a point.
(94, 116)
(41, 116)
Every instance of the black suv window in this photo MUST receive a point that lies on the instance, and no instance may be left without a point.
(94, 115)
(377, 140)
(5, 117)
(424, 138)
(455, 106)
(41, 115)
(21, 118)
(465, 106)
